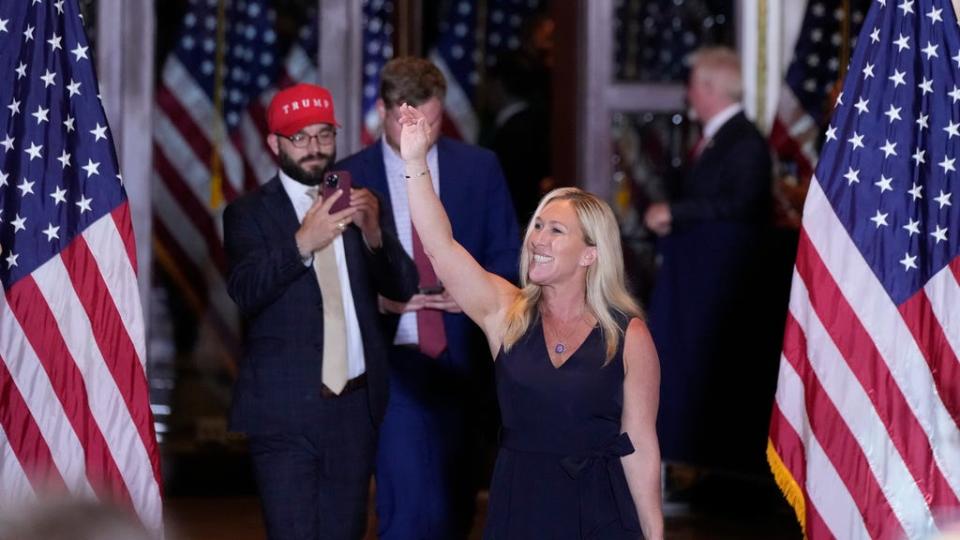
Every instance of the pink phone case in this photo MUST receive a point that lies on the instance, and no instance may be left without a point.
(334, 180)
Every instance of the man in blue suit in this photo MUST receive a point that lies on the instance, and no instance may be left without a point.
(312, 387)
(425, 475)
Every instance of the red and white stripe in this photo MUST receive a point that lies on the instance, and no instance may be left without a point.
(794, 133)
(76, 415)
(460, 120)
(18, 490)
(187, 229)
(866, 412)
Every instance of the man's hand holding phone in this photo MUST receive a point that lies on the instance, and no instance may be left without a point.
(320, 226)
(442, 301)
(367, 217)
(427, 298)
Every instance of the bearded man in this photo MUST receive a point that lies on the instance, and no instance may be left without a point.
(312, 387)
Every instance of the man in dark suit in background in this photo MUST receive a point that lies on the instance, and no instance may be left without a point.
(426, 462)
(312, 387)
(709, 316)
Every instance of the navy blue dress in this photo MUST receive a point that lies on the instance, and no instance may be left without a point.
(558, 473)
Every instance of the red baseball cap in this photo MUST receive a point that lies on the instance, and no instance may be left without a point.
(299, 106)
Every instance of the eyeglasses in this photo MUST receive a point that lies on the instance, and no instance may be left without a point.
(302, 140)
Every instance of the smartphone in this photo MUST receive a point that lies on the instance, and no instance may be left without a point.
(432, 289)
(332, 181)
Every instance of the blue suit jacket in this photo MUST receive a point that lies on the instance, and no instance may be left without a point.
(474, 193)
(278, 387)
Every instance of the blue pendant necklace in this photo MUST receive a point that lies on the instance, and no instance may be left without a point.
(560, 348)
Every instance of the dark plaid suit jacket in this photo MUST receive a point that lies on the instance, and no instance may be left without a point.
(278, 387)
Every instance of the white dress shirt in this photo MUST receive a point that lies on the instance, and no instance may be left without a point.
(713, 126)
(302, 201)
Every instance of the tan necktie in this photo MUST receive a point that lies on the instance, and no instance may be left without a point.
(334, 322)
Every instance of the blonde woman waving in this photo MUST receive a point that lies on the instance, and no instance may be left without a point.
(576, 371)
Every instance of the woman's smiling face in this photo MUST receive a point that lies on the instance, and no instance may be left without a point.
(556, 245)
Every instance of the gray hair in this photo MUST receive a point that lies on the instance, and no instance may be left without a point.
(719, 66)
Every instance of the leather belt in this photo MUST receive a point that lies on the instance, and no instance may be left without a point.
(355, 383)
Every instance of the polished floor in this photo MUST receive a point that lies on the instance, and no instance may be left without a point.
(216, 500)
(238, 518)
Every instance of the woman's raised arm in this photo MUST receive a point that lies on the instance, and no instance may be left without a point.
(483, 296)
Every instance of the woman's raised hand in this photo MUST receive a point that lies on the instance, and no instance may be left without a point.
(414, 134)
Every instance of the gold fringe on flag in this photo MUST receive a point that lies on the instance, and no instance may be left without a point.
(216, 165)
(788, 485)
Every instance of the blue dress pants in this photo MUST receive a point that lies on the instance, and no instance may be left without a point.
(425, 477)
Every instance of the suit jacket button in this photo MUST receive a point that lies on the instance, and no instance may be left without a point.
(318, 346)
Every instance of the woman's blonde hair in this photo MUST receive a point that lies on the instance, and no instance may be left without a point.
(606, 287)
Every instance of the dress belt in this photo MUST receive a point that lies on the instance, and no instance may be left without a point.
(595, 472)
(356, 383)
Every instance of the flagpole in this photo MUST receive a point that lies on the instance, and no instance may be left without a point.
(216, 167)
(760, 48)
(341, 30)
(844, 56)
(761, 101)
(481, 37)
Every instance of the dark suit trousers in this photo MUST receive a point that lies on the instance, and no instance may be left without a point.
(315, 485)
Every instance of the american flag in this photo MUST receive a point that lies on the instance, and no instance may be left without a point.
(864, 435)
(471, 35)
(827, 37)
(378, 34)
(459, 55)
(209, 146)
(653, 37)
(75, 415)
